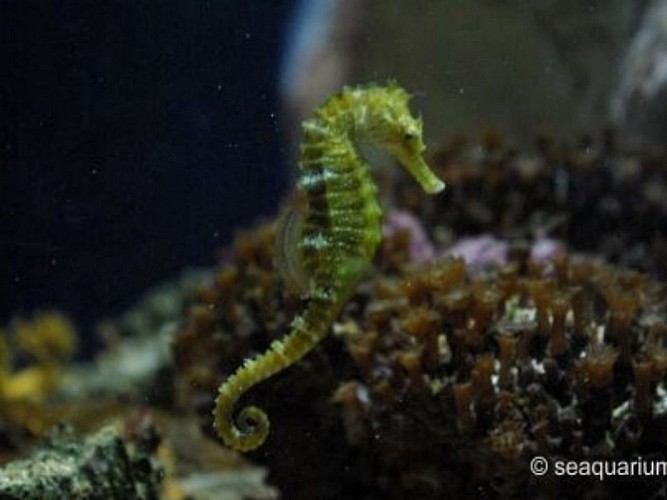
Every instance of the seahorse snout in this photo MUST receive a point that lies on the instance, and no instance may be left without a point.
(421, 172)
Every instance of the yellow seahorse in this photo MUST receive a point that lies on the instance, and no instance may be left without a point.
(327, 245)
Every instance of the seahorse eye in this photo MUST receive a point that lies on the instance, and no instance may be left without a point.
(407, 137)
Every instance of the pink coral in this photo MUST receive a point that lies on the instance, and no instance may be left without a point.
(479, 251)
(421, 249)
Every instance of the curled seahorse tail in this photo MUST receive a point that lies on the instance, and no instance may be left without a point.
(253, 424)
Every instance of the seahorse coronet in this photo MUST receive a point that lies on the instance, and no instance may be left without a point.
(331, 241)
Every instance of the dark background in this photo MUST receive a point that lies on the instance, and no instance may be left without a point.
(136, 136)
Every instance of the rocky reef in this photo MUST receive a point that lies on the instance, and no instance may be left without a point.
(522, 314)
(108, 428)
(446, 374)
(100, 466)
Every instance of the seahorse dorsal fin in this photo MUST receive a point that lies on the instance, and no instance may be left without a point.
(288, 259)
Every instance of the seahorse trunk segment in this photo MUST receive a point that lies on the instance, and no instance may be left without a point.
(338, 232)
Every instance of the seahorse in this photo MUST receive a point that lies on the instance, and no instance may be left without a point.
(328, 243)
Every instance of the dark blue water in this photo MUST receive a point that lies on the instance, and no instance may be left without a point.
(136, 136)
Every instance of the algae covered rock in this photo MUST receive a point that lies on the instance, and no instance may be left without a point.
(98, 466)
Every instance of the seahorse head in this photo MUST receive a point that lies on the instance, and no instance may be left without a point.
(390, 125)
